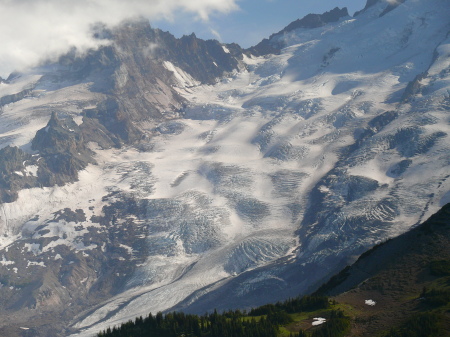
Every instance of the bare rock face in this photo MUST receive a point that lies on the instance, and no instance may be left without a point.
(14, 97)
(61, 153)
(13, 176)
(133, 71)
(61, 136)
(62, 147)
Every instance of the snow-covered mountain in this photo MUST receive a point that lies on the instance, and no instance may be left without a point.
(158, 173)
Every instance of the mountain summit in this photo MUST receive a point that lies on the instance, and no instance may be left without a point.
(158, 173)
(310, 21)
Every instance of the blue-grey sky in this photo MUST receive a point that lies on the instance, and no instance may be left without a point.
(253, 20)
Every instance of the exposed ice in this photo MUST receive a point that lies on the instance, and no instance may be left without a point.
(225, 190)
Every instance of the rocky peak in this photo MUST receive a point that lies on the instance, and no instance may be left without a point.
(309, 21)
(62, 152)
(186, 53)
(137, 85)
(59, 136)
(63, 149)
(138, 71)
(390, 6)
(370, 3)
(54, 121)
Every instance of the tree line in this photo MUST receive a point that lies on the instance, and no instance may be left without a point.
(264, 321)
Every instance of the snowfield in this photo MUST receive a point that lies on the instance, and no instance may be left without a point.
(300, 161)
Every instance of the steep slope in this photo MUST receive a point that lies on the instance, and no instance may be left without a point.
(419, 246)
(117, 89)
(207, 194)
(403, 276)
(365, 155)
(398, 288)
(57, 244)
(275, 42)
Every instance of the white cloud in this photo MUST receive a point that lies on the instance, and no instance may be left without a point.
(148, 51)
(216, 34)
(34, 30)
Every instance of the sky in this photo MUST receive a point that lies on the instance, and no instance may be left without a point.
(32, 31)
(253, 20)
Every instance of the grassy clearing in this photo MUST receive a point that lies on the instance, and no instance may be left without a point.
(303, 320)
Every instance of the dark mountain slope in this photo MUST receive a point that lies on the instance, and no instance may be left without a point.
(419, 247)
(405, 276)
(406, 292)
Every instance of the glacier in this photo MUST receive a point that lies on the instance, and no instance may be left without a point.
(256, 187)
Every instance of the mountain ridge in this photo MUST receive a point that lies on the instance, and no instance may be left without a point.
(273, 174)
(309, 21)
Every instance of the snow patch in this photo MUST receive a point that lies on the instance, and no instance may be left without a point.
(78, 120)
(5, 262)
(33, 248)
(370, 302)
(184, 79)
(244, 141)
(33, 263)
(32, 170)
(127, 248)
(318, 321)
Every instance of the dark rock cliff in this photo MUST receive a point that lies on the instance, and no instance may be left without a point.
(61, 153)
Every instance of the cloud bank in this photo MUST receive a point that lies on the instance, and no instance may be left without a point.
(35, 30)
